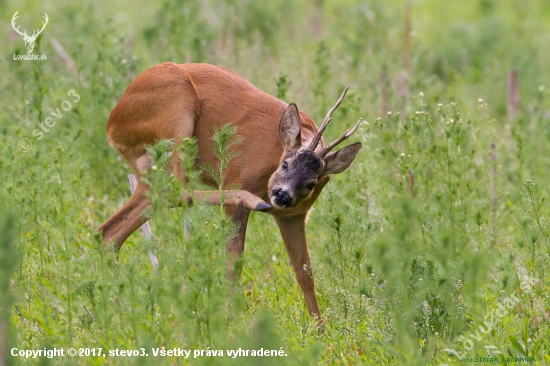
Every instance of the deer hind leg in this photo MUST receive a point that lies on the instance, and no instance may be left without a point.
(127, 220)
(294, 236)
(161, 103)
(229, 198)
(130, 217)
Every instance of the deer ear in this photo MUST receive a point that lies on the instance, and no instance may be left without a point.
(338, 161)
(289, 128)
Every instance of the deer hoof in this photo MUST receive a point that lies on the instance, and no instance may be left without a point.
(262, 206)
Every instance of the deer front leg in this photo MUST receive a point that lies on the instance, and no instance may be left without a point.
(293, 231)
(235, 246)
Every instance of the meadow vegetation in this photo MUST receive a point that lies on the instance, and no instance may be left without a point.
(440, 227)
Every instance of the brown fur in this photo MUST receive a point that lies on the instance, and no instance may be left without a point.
(171, 101)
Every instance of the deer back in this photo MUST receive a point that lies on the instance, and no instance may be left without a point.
(171, 101)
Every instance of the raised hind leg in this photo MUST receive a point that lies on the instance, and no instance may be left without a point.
(128, 219)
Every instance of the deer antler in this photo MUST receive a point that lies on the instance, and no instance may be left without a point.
(13, 19)
(315, 141)
(35, 34)
(342, 137)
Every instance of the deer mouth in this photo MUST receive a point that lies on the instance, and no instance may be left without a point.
(281, 198)
(275, 204)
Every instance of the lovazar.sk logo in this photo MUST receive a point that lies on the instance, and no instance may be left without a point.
(29, 40)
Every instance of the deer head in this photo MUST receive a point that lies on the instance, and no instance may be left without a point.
(29, 40)
(302, 171)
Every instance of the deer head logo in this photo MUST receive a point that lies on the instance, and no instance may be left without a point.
(29, 40)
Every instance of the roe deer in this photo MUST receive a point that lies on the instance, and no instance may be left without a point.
(281, 159)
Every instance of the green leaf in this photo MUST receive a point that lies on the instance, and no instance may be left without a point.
(517, 346)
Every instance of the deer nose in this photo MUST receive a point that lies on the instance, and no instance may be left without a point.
(282, 198)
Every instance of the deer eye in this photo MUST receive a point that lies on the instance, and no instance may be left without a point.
(310, 186)
(285, 165)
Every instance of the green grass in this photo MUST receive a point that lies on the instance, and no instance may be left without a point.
(402, 279)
